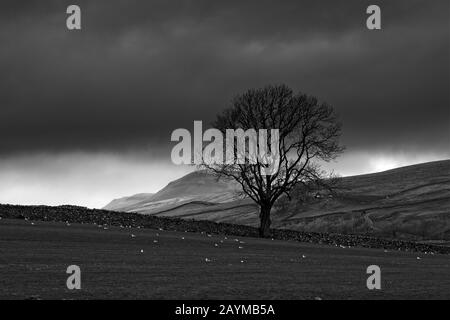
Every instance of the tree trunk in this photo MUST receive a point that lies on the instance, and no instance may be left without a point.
(264, 218)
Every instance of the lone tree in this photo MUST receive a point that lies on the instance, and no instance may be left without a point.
(308, 131)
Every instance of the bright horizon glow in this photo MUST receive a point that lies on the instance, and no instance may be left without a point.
(84, 179)
(359, 163)
(94, 179)
(383, 164)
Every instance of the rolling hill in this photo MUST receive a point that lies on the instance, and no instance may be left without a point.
(410, 202)
(195, 190)
(119, 204)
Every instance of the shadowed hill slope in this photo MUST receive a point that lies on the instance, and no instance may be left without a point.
(197, 189)
(125, 202)
(411, 202)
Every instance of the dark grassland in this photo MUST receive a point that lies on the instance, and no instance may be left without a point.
(83, 215)
(34, 256)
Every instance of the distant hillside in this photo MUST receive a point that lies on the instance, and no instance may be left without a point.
(411, 202)
(119, 204)
(197, 188)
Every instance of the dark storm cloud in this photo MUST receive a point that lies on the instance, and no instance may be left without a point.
(139, 69)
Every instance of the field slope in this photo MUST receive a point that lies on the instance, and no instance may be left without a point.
(156, 264)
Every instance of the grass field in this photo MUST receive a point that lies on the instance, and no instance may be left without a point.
(34, 257)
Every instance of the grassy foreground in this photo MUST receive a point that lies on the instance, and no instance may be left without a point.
(132, 263)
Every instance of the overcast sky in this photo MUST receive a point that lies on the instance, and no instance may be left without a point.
(86, 116)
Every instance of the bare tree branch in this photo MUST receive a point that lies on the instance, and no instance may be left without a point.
(309, 133)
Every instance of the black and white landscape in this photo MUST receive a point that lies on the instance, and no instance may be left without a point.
(88, 109)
